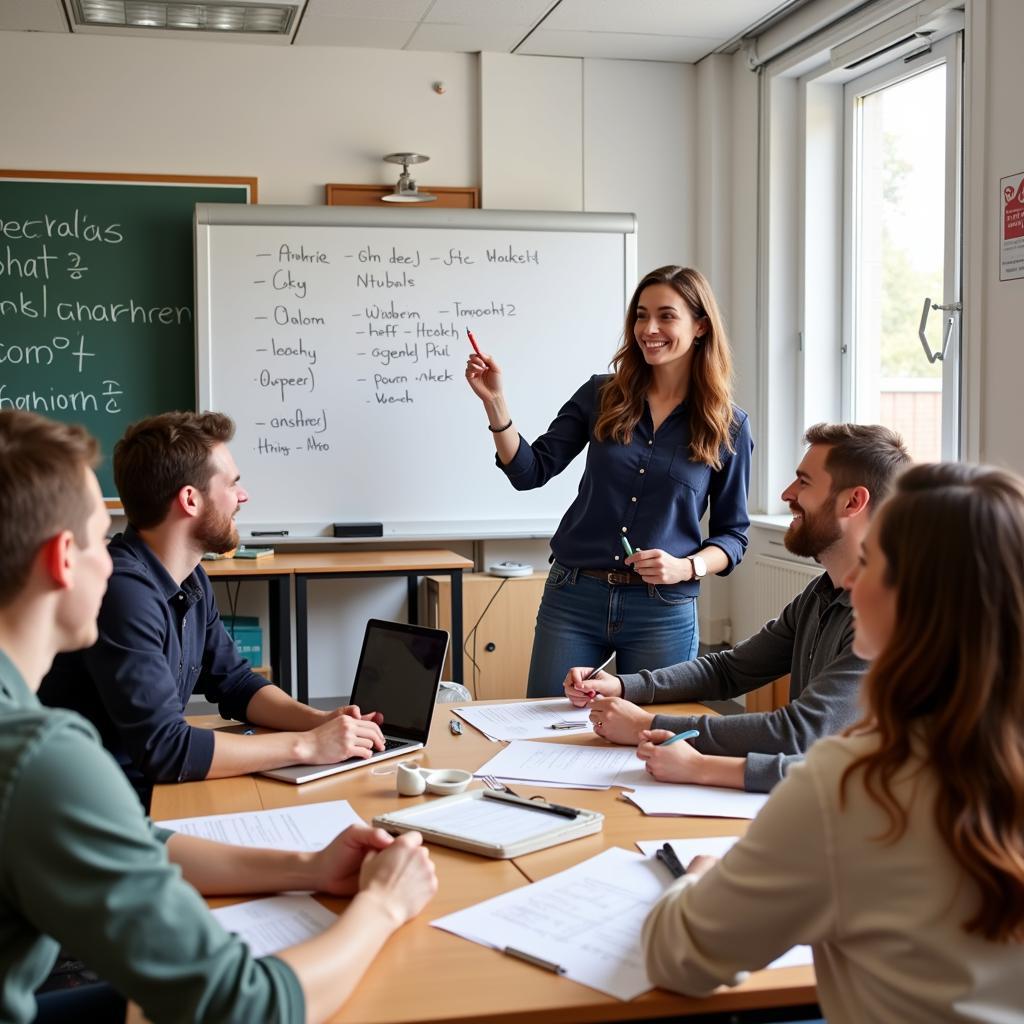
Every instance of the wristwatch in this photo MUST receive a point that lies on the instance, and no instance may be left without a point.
(699, 566)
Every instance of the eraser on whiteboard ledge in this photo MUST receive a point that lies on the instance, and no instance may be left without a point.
(510, 569)
(358, 529)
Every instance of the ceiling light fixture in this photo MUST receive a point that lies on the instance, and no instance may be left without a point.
(226, 16)
(405, 190)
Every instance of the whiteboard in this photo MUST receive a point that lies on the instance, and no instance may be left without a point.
(335, 337)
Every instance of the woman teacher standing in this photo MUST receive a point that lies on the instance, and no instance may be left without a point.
(663, 442)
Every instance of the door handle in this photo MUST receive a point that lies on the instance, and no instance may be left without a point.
(950, 308)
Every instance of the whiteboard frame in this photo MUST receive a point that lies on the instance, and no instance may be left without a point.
(210, 215)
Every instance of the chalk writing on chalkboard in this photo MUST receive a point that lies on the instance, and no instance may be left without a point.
(96, 295)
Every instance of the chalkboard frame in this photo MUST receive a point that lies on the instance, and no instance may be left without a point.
(249, 183)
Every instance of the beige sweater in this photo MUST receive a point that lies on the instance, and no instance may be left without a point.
(884, 919)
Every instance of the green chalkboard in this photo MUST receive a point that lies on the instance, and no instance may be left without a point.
(97, 317)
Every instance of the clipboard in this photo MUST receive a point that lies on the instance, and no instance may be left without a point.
(499, 828)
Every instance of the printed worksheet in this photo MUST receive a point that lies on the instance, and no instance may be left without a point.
(270, 925)
(586, 920)
(673, 799)
(307, 828)
(567, 764)
(530, 720)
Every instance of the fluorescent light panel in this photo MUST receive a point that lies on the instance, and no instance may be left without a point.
(213, 17)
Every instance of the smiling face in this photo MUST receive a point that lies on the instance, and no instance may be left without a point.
(815, 526)
(873, 596)
(223, 497)
(665, 328)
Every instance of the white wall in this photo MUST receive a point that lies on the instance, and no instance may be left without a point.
(296, 117)
(999, 84)
(532, 132)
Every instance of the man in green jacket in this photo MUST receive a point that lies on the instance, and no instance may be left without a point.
(80, 865)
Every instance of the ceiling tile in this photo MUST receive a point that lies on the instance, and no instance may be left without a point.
(371, 10)
(617, 46)
(466, 38)
(722, 18)
(383, 35)
(494, 13)
(32, 16)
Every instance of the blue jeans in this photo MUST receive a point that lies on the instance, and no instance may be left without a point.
(582, 620)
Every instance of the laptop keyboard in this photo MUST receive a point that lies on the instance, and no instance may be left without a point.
(389, 744)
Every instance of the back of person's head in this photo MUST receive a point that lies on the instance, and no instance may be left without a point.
(861, 455)
(160, 455)
(953, 671)
(710, 390)
(43, 491)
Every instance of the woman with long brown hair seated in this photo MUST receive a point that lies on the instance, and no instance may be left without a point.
(897, 850)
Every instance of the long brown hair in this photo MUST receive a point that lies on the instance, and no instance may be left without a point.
(953, 673)
(710, 393)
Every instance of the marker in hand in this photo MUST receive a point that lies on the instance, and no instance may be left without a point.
(688, 735)
(472, 341)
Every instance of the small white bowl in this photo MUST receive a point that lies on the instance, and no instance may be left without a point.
(447, 781)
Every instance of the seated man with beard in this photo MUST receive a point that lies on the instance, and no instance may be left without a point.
(161, 637)
(843, 477)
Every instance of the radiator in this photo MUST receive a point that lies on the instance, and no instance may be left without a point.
(774, 583)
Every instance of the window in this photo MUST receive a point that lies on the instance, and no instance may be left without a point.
(901, 229)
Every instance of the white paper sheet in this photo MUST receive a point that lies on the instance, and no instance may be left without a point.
(529, 720)
(586, 919)
(488, 821)
(717, 846)
(576, 765)
(667, 798)
(308, 828)
(270, 925)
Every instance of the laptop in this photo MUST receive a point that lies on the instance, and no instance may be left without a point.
(398, 675)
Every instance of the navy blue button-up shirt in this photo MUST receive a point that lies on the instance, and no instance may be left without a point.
(649, 491)
(158, 641)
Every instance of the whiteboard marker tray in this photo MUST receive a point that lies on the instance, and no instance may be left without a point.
(492, 825)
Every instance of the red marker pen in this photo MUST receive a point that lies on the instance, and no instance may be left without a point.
(472, 341)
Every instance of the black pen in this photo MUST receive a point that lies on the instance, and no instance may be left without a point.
(532, 805)
(269, 533)
(668, 857)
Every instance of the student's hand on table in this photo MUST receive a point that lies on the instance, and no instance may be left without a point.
(484, 376)
(352, 710)
(676, 763)
(336, 868)
(341, 737)
(402, 878)
(703, 862)
(656, 566)
(581, 691)
(618, 720)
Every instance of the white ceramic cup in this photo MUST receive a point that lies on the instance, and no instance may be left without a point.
(414, 781)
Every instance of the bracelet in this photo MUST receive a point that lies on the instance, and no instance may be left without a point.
(498, 430)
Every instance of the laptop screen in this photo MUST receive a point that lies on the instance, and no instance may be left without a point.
(398, 675)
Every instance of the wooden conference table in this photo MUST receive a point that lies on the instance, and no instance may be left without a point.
(278, 570)
(427, 976)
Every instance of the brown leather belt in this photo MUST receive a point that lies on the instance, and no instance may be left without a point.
(615, 579)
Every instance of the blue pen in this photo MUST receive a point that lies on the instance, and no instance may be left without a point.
(627, 547)
(688, 735)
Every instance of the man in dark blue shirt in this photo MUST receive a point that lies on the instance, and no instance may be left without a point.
(160, 634)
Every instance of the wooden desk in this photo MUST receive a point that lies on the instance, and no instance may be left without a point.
(277, 570)
(426, 975)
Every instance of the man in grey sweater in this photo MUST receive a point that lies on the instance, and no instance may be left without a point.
(844, 475)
